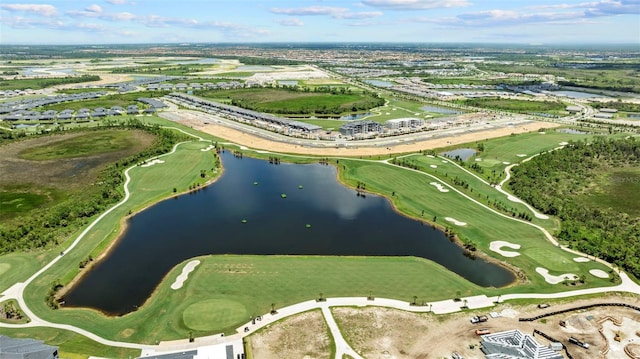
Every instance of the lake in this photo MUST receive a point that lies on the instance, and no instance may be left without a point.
(463, 153)
(210, 222)
(577, 94)
(440, 109)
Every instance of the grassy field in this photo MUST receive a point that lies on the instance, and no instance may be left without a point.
(38, 83)
(619, 190)
(519, 106)
(274, 100)
(88, 144)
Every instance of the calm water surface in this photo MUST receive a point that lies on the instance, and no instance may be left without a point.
(210, 222)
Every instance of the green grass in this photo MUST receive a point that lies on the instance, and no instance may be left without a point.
(13, 203)
(82, 146)
(40, 83)
(17, 267)
(325, 124)
(235, 74)
(274, 100)
(520, 106)
(71, 345)
(212, 314)
(618, 190)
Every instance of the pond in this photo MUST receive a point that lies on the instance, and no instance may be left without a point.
(354, 116)
(440, 109)
(463, 153)
(211, 222)
(379, 83)
(577, 94)
(572, 131)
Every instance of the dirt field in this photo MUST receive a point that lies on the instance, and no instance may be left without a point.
(256, 142)
(380, 333)
(301, 336)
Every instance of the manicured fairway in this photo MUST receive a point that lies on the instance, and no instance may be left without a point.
(212, 314)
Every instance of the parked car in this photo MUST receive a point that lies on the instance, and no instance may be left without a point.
(543, 305)
(479, 319)
(483, 331)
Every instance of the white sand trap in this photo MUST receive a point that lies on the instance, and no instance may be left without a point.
(433, 166)
(185, 274)
(261, 151)
(514, 199)
(431, 156)
(555, 279)
(443, 161)
(563, 143)
(542, 133)
(455, 221)
(581, 259)
(244, 148)
(496, 246)
(208, 148)
(506, 163)
(599, 273)
(521, 155)
(387, 113)
(540, 215)
(154, 162)
(478, 159)
(439, 187)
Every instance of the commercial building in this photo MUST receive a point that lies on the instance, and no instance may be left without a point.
(399, 123)
(360, 127)
(11, 348)
(513, 344)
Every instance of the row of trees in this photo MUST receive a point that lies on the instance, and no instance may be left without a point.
(49, 226)
(554, 183)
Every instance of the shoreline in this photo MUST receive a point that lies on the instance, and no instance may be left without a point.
(123, 227)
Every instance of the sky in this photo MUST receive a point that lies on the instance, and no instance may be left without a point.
(263, 21)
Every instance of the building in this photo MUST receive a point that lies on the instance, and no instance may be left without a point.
(513, 344)
(399, 123)
(609, 110)
(360, 127)
(574, 109)
(607, 116)
(11, 348)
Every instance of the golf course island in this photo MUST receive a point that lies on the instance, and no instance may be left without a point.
(266, 201)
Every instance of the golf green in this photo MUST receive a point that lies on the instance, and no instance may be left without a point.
(4, 267)
(214, 313)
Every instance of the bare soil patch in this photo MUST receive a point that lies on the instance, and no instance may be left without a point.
(393, 334)
(257, 142)
(302, 336)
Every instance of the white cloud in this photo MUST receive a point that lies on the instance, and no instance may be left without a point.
(290, 22)
(94, 9)
(416, 4)
(117, 2)
(39, 9)
(334, 12)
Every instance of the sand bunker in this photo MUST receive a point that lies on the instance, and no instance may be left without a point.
(555, 279)
(455, 221)
(506, 163)
(521, 155)
(564, 143)
(439, 187)
(478, 159)
(581, 259)
(514, 199)
(185, 274)
(496, 246)
(433, 166)
(431, 156)
(208, 148)
(443, 161)
(599, 273)
(154, 162)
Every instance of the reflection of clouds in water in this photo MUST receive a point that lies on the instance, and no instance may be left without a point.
(331, 198)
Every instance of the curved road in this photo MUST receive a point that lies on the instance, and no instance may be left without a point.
(17, 290)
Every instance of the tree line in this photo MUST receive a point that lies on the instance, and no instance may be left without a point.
(554, 183)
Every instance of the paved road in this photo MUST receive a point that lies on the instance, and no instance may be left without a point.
(440, 307)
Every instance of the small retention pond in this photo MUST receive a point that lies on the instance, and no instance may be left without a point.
(211, 222)
(463, 153)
